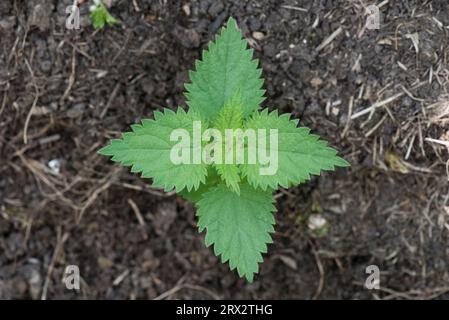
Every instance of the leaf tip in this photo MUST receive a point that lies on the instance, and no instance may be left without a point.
(342, 163)
(232, 22)
(249, 277)
(105, 151)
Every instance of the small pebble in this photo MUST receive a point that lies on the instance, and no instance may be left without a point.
(186, 10)
(316, 82)
(55, 166)
(258, 35)
(316, 222)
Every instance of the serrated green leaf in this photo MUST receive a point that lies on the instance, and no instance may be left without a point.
(239, 227)
(300, 153)
(147, 149)
(226, 67)
(100, 16)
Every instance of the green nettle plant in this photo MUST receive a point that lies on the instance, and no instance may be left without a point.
(234, 201)
(100, 15)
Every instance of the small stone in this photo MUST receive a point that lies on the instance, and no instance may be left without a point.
(186, 9)
(258, 35)
(316, 222)
(335, 111)
(101, 74)
(188, 38)
(76, 111)
(55, 166)
(316, 82)
(289, 262)
(104, 263)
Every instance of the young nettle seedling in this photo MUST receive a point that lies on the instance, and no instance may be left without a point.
(100, 15)
(232, 193)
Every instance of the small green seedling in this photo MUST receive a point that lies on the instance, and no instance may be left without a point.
(100, 15)
(234, 198)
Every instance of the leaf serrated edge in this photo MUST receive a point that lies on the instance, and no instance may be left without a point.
(209, 242)
(138, 128)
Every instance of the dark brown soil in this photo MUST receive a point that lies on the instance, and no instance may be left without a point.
(64, 93)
